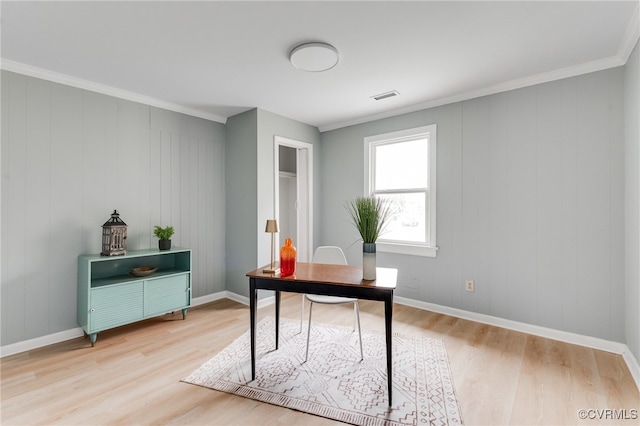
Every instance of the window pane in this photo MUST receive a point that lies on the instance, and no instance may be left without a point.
(402, 165)
(408, 222)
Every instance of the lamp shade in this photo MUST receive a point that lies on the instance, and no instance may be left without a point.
(272, 226)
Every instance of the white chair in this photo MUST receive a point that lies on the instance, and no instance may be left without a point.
(331, 255)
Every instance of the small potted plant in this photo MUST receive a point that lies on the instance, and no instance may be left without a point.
(164, 235)
(369, 215)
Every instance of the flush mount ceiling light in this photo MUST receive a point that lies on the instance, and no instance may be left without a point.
(314, 57)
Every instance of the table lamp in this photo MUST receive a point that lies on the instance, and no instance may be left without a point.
(272, 228)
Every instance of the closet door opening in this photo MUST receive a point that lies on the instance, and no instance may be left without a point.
(293, 194)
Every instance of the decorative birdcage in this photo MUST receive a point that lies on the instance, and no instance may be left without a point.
(114, 236)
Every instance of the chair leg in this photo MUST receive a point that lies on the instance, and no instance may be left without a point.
(301, 313)
(355, 315)
(355, 304)
(306, 355)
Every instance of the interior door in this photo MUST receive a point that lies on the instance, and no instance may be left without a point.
(294, 194)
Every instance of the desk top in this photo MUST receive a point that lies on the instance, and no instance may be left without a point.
(333, 274)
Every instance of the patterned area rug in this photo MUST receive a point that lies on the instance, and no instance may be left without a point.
(334, 383)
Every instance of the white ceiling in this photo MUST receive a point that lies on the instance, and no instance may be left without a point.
(216, 59)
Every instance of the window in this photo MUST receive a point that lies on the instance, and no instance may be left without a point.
(402, 169)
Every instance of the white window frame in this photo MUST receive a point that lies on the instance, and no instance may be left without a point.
(428, 249)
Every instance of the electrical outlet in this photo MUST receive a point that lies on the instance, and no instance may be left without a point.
(470, 285)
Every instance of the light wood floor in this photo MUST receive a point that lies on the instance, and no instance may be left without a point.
(132, 375)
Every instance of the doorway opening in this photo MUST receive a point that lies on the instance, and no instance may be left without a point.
(294, 194)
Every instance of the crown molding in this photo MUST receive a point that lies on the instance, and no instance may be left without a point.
(589, 67)
(31, 71)
(629, 41)
(631, 36)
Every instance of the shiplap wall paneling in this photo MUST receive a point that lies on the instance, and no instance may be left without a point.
(474, 133)
(496, 221)
(548, 207)
(65, 180)
(132, 157)
(182, 202)
(173, 199)
(595, 203)
(530, 204)
(189, 218)
(616, 203)
(4, 188)
(69, 157)
(521, 210)
(482, 265)
(447, 267)
(155, 182)
(213, 257)
(98, 114)
(165, 173)
(40, 177)
(14, 246)
(144, 235)
(219, 259)
(568, 151)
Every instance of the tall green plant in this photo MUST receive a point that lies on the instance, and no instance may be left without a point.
(370, 216)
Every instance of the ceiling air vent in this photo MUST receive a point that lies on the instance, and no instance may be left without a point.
(385, 95)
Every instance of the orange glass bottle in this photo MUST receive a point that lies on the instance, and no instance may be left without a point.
(287, 258)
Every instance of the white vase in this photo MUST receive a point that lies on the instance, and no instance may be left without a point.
(369, 261)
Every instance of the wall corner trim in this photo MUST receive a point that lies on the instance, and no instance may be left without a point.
(631, 36)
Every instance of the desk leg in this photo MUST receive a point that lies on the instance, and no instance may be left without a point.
(253, 304)
(388, 315)
(277, 317)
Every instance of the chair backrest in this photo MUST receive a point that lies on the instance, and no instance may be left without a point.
(329, 254)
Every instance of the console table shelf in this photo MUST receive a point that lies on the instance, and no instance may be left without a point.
(119, 279)
(110, 296)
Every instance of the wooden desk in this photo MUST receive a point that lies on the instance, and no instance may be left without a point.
(330, 280)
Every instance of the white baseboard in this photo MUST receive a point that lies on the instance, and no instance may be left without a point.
(549, 333)
(564, 336)
(73, 333)
(197, 301)
(232, 296)
(39, 342)
(633, 365)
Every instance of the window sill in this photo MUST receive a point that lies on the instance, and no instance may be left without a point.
(413, 250)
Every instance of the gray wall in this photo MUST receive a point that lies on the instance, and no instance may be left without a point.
(530, 204)
(241, 199)
(250, 188)
(271, 125)
(538, 198)
(69, 157)
(632, 201)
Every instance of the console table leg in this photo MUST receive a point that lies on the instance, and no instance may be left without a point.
(184, 314)
(93, 337)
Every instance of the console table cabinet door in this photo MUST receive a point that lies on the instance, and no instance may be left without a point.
(115, 305)
(166, 294)
(110, 295)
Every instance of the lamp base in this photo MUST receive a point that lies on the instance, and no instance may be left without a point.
(271, 270)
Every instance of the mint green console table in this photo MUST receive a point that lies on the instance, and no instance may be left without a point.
(110, 296)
